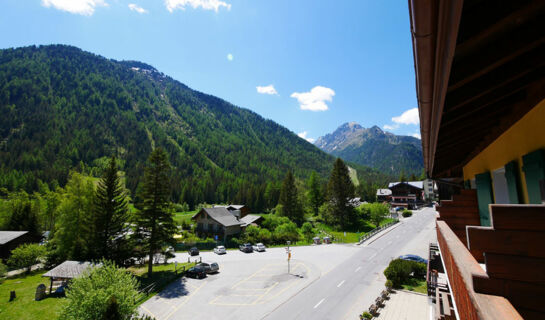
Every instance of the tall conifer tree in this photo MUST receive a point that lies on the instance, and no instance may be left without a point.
(289, 200)
(110, 215)
(155, 218)
(340, 190)
(315, 195)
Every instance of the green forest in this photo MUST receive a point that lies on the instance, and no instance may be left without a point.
(65, 110)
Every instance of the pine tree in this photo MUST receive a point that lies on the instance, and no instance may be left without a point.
(315, 196)
(340, 190)
(289, 200)
(402, 176)
(110, 215)
(155, 218)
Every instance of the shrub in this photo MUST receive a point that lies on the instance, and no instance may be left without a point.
(265, 236)
(307, 231)
(101, 291)
(367, 315)
(26, 255)
(407, 213)
(3, 271)
(286, 232)
(389, 285)
(270, 222)
(398, 271)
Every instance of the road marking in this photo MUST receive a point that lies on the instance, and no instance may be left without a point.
(374, 255)
(185, 301)
(357, 269)
(319, 303)
(389, 242)
(340, 284)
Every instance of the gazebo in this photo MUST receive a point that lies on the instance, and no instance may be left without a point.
(67, 271)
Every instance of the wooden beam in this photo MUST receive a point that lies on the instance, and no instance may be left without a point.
(494, 31)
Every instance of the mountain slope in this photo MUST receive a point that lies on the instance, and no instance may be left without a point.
(63, 108)
(373, 147)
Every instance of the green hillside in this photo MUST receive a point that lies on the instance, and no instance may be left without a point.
(65, 109)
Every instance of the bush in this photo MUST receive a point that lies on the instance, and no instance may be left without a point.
(399, 271)
(265, 236)
(101, 291)
(26, 255)
(271, 221)
(406, 213)
(286, 232)
(307, 231)
(367, 315)
(389, 285)
(3, 271)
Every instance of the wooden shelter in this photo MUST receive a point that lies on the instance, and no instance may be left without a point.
(67, 271)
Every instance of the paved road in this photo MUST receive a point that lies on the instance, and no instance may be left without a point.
(326, 281)
(352, 287)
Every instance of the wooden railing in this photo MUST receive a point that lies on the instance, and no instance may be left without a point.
(514, 251)
(461, 268)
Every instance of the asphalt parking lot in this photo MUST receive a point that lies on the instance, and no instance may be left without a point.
(248, 286)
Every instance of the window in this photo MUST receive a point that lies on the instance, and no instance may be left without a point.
(501, 193)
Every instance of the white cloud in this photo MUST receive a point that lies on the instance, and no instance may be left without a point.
(304, 136)
(390, 127)
(266, 89)
(315, 99)
(408, 117)
(230, 57)
(137, 8)
(204, 4)
(83, 7)
(416, 135)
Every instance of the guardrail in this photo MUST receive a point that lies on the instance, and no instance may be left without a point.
(377, 230)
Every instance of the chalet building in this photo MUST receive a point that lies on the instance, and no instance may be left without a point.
(480, 78)
(407, 194)
(224, 221)
(10, 240)
(384, 195)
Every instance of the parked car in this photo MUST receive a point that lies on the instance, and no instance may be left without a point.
(413, 257)
(196, 272)
(193, 251)
(247, 248)
(397, 209)
(209, 267)
(220, 250)
(260, 247)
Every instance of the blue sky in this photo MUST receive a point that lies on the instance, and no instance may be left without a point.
(308, 65)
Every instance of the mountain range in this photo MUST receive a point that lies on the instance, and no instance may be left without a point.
(373, 147)
(66, 109)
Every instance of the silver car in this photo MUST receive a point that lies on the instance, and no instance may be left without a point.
(260, 247)
(209, 267)
(220, 250)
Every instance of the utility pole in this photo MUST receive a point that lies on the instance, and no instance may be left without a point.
(289, 255)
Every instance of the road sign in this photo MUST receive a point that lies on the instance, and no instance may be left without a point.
(289, 255)
(216, 237)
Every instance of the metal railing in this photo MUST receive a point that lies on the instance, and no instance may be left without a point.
(377, 230)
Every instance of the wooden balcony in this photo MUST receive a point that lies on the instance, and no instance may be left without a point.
(461, 268)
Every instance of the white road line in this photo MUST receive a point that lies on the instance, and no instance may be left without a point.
(389, 242)
(316, 306)
(374, 255)
(357, 269)
(340, 284)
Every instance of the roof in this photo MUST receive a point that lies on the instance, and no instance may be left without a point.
(69, 269)
(7, 236)
(233, 206)
(416, 184)
(478, 71)
(250, 218)
(222, 216)
(384, 192)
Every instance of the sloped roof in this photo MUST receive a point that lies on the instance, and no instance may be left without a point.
(69, 269)
(250, 218)
(416, 184)
(222, 216)
(7, 236)
(384, 192)
(231, 206)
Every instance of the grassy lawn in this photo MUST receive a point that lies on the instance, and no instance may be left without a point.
(163, 275)
(24, 306)
(416, 285)
(351, 237)
(179, 217)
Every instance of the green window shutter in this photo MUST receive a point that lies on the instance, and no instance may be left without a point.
(513, 182)
(467, 184)
(484, 196)
(534, 171)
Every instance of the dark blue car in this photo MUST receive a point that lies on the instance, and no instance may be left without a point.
(412, 257)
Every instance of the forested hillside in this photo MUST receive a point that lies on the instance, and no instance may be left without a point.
(65, 109)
